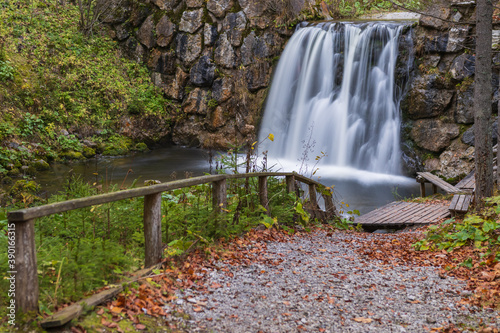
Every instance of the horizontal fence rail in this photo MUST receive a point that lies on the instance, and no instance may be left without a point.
(26, 282)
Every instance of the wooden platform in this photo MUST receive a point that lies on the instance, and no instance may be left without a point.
(460, 204)
(427, 177)
(401, 214)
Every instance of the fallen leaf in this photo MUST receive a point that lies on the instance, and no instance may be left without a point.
(116, 309)
(363, 320)
(215, 286)
(197, 309)
(322, 250)
(140, 327)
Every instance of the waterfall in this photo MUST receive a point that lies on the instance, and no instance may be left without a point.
(334, 92)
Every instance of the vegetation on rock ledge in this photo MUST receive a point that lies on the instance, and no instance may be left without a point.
(62, 95)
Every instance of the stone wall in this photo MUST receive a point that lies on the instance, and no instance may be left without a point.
(213, 59)
(438, 109)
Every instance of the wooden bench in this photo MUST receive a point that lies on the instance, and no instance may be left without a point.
(427, 177)
(460, 204)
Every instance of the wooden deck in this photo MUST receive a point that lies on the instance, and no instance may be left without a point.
(401, 214)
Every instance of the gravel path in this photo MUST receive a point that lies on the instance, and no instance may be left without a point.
(319, 283)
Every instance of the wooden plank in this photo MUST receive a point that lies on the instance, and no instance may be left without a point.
(467, 202)
(468, 182)
(429, 214)
(397, 213)
(25, 270)
(438, 182)
(403, 213)
(394, 214)
(152, 229)
(76, 309)
(454, 202)
(378, 214)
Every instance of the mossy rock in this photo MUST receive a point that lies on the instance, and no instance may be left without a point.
(40, 165)
(118, 145)
(72, 155)
(88, 152)
(113, 150)
(141, 146)
(14, 172)
(6, 180)
(21, 187)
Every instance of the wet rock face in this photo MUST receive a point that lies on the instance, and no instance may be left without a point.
(224, 53)
(212, 58)
(203, 72)
(426, 100)
(191, 21)
(145, 33)
(165, 31)
(196, 102)
(464, 112)
(219, 7)
(440, 99)
(188, 48)
(166, 4)
(434, 135)
(235, 24)
(468, 136)
(456, 161)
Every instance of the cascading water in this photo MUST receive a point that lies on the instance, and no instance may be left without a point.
(334, 92)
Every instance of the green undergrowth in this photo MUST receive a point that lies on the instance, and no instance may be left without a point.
(355, 8)
(83, 250)
(59, 88)
(478, 230)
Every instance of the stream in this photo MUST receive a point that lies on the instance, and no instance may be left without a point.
(361, 190)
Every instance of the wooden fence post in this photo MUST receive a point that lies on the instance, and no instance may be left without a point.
(312, 196)
(152, 229)
(329, 206)
(290, 184)
(264, 201)
(219, 195)
(25, 271)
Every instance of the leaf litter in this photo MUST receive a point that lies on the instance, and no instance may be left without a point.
(325, 280)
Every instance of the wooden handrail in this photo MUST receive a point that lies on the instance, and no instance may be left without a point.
(27, 293)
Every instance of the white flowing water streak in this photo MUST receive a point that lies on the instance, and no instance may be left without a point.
(334, 92)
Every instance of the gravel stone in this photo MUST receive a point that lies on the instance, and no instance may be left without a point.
(319, 282)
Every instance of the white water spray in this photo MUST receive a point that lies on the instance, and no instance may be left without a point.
(334, 92)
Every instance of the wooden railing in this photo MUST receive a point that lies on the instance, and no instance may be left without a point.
(26, 282)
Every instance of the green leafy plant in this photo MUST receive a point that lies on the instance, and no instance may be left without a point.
(7, 71)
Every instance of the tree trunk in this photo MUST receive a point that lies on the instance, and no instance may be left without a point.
(482, 101)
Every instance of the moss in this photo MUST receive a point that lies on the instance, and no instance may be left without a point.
(24, 186)
(206, 18)
(88, 152)
(158, 15)
(40, 165)
(141, 146)
(465, 84)
(72, 155)
(236, 7)
(118, 145)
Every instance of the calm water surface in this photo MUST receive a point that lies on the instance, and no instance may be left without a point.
(363, 191)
